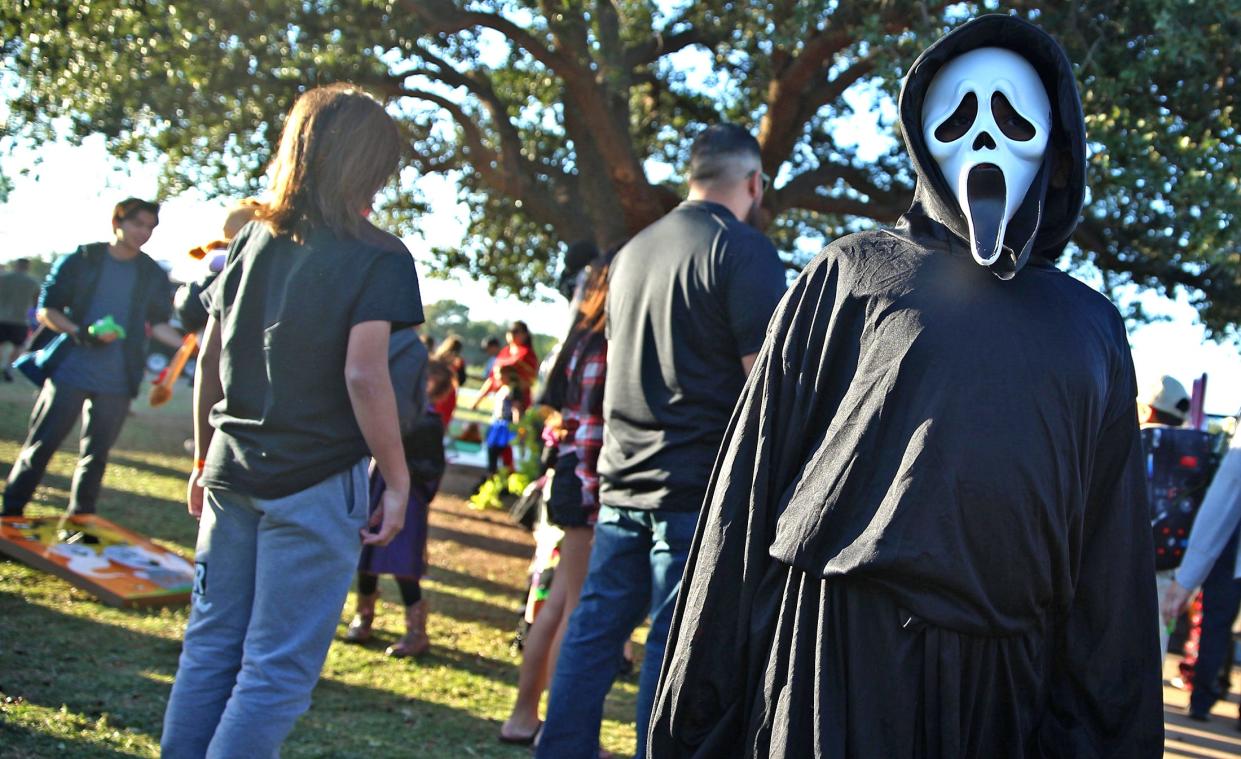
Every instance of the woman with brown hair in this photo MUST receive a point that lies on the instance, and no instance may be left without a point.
(449, 353)
(292, 391)
(574, 500)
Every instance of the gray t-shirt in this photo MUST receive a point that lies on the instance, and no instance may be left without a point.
(18, 291)
(101, 369)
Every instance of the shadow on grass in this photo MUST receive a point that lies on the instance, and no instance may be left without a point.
(127, 459)
(464, 580)
(441, 656)
(501, 546)
(356, 721)
(445, 604)
(503, 523)
(20, 741)
(503, 619)
(105, 670)
(93, 668)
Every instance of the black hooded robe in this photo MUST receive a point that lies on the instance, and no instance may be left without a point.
(926, 534)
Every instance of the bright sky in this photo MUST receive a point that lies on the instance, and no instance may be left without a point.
(66, 199)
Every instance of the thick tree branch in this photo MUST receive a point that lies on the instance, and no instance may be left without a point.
(483, 159)
(481, 87)
(802, 190)
(786, 117)
(608, 131)
(793, 97)
(607, 21)
(524, 185)
(661, 43)
(444, 17)
(780, 14)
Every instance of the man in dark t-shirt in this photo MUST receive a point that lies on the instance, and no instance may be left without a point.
(92, 374)
(689, 299)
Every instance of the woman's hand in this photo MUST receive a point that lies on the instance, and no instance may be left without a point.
(389, 518)
(194, 495)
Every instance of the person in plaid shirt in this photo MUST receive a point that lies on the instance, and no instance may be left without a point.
(583, 416)
(574, 500)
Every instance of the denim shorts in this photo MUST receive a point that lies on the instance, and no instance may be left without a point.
(564, 506)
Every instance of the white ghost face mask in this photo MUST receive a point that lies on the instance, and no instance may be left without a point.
(986, 120)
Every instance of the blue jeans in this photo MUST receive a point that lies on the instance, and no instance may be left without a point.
(1221, 597)
(270, 578)
(636, 564)
(54, 414)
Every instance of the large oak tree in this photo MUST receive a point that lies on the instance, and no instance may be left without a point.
(556, 117)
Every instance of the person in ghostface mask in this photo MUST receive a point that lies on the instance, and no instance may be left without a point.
(926, 532)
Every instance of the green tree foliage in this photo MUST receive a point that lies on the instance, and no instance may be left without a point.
(568, 119)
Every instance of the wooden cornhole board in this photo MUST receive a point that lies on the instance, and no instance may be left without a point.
(121, 569)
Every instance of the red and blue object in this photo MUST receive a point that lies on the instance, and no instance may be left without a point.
(1180, 463)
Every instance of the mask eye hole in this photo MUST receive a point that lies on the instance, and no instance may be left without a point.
(1012, 124)
(956, 125)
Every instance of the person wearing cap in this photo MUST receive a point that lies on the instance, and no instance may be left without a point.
(1212, 562)
(89, 371)
(1163, 403)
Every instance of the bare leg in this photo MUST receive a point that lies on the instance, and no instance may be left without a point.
(574, 561)
(543, 640)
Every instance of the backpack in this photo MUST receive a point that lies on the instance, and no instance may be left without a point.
(1180, 463)
(424, 448)
(407, 364)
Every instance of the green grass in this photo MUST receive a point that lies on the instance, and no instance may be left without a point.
(80, 679)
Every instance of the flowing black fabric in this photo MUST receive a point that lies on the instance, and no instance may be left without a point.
(926, 534)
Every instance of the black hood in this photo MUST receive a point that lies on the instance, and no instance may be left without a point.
(1044, 223)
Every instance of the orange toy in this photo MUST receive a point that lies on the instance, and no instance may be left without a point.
(161, 391)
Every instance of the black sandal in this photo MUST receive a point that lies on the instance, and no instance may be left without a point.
(520, 740)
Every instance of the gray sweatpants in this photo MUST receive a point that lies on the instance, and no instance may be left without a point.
(270, 579)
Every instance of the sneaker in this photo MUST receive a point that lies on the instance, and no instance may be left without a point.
(77, 536)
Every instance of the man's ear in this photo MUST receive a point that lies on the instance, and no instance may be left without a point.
(1145, 414)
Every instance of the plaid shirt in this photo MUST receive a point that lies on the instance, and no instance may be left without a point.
(583, 413)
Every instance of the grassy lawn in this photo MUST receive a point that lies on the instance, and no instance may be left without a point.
(81, 679)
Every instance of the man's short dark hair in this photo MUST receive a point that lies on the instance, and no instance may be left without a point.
(491, 342)
(723, 152)
(131, 207)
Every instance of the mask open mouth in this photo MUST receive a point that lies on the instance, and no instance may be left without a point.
(986, 198)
